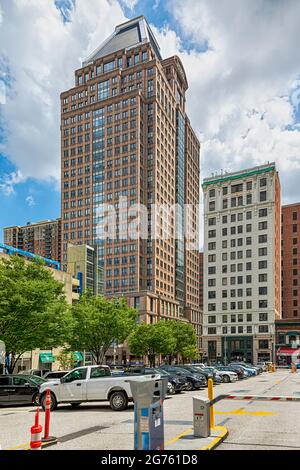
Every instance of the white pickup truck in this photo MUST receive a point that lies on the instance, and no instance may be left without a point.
(91, 383)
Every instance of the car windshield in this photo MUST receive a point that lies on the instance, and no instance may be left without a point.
(163, 373)
(36, 379)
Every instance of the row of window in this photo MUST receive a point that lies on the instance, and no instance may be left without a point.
(237, 268)
(240, 329)
(238, 293)
(238, 201)
(240, 318)
(212, 307)
(238, 188)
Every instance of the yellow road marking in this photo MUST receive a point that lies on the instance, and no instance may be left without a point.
(278, 382)
(22, 446)
(178, 437)
(220, 438)
(248, 413)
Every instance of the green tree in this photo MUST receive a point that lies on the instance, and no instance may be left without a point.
(152, 340)
(185, 340)
(66, 359)
(98, 323)
(33, 309)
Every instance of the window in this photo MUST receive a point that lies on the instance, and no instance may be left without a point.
(263, 196)
(263, 182)
(225, 203)
(263, 251)
(211, 307)
(211, 319)
(4, 381)
(295, 215)
(263, 212)
(249, 317)
(263, 344)
(263, 291)
(249, 329)
(263, 317)
(263, 329)
(108, 66)
(263, 304)
(233, 329)
(212, 221)
(249, 185)
(236, 188)
(212, 331)
(225, 191)
(224, 318)
(98, 372)
(212, 206)
(212, 193)
(263, 225)
(262, 264)
(78, 374)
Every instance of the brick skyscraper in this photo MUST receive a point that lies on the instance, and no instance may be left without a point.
(125, 134)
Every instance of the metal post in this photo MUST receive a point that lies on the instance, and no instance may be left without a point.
(210, 385)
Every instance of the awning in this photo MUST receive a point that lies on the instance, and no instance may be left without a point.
(78, 356)
(47, 358)
(293, 333)
(287, 351)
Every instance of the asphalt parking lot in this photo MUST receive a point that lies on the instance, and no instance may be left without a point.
(94, 426)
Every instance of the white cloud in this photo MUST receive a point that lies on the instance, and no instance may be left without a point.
(30, 201)
(130, 3)
(243, 91)
(42, 53)
(8, 181)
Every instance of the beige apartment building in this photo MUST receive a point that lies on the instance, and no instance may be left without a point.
(127, 142)
(242, 264)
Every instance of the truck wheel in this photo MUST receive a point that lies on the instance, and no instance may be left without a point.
(75, 405)
(53, 405)
(118, 401)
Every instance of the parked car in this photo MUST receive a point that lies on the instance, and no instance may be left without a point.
(226, 375)
(178, 383)
(258, 369)
(263, 366)
(36, 372)
(250, 371)
(237, 370)
(90, 383)
(193, 381)
(58, 374)
(20, 389)
(217, 378)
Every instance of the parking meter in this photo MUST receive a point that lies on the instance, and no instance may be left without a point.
(148, 394)
(201, 413)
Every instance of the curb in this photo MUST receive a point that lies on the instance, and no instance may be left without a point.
(218, 440)
(27, 445)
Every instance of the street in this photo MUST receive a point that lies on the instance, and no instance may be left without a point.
(252, 425)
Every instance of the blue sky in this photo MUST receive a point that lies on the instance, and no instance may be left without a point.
(242, 61)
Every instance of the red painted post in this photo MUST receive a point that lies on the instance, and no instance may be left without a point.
(47, 438)
(47, 414)
(36, 433)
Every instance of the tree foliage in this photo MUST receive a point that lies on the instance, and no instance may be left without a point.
(185, 339)
(152, 340)
(98, 323)
(33, 309)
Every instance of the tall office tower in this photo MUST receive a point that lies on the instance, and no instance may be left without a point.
(291, 261)
(127, 142)
(41, 238)
(242, 264)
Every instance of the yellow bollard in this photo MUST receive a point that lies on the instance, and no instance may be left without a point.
(273, 368)
(210, 388)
